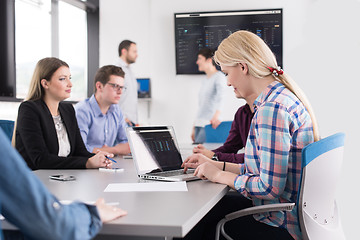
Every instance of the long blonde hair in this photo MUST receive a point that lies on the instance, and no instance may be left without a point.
(247, 47)
(44, 69)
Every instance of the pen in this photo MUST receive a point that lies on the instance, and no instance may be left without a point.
(111, 159)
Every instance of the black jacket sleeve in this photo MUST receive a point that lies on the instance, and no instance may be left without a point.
(36, 138)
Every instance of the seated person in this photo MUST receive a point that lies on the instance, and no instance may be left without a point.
(283, 124)
(101, 122)
(27, 204)
(236, 140)
(46, 132)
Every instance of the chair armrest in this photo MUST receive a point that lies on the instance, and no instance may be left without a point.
(250, 211)
(260, 209)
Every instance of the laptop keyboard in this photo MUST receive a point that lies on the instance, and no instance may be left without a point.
(173, 173)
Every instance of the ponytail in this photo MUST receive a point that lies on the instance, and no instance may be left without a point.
(290, 84)
(247, 47)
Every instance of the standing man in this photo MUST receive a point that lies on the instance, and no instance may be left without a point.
(101, 122)
(128, 102)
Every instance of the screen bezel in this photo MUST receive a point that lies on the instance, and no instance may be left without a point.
(132, 130)
(222, 12)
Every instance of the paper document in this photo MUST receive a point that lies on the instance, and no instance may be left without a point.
(147, 187)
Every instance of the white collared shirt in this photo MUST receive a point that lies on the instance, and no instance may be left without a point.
(129, 98)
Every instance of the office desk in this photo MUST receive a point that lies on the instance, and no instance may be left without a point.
(150, 214)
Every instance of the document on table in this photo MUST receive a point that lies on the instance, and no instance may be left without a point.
(147, 187)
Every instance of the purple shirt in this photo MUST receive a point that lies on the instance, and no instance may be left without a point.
(237, 137)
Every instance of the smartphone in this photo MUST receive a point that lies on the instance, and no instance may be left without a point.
(62, 177)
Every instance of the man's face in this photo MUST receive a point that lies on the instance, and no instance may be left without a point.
(112, 90)
(131, 54)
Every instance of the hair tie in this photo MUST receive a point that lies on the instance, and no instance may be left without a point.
(276, 71)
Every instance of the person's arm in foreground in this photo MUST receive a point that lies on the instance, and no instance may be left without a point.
(26, 203)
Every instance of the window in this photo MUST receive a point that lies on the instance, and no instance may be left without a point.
(32, 40)
(34, 24)
(42, 28)
(73, 47)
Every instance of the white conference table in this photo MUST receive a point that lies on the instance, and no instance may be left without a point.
(151, 215)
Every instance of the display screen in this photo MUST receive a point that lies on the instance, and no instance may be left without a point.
(154, 149)
(143, 87)
(197, 30)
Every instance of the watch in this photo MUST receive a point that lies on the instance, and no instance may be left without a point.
(215, 157)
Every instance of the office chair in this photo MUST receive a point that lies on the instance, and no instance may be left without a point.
(8, 127)
(219, 134)
(318, 214)
(321, 166)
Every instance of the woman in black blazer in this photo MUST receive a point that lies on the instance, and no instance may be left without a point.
(47, 134)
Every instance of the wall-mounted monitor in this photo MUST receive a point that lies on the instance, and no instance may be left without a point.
(197, 30)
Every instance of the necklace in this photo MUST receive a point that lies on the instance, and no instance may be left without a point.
(58, 122)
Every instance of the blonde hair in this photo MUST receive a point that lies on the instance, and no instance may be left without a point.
(246, 47)
(44, 69)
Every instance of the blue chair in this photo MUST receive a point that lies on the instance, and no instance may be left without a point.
(8, 127)
(321, 168)
(318, 213)
(219, 134)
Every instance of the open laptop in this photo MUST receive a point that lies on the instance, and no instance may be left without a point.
(156, 154)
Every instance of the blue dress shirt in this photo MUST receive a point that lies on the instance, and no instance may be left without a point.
(98, 129)
(27, 204)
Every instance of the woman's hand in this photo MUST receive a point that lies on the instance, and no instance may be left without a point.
(108, 213)
(201, 149)
(194, 161)
(100, 160)
(208, 171)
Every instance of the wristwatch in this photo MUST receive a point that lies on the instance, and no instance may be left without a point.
(215, 157)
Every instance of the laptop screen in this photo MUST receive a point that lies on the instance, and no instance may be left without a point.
(154, 149)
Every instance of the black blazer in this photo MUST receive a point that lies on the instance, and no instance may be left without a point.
(36, 138)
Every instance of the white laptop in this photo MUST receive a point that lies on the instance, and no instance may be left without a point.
(156, 154)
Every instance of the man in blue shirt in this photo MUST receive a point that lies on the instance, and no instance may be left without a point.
(101, 122)
(27, 204)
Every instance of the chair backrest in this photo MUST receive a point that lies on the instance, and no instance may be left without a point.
(321, 167)
(8, 127)
(219, 134)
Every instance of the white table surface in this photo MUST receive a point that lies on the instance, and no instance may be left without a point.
(150, 214)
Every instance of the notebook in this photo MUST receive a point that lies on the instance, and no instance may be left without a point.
(156, 154)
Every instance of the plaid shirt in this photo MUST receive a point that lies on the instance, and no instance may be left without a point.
(280, 129)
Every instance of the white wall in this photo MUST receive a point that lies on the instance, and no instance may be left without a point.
(321, 49)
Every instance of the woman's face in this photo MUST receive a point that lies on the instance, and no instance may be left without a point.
(59, 86)
(202, 63)
(236, 77)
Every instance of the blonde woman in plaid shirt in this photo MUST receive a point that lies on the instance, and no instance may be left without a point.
(283, 124)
